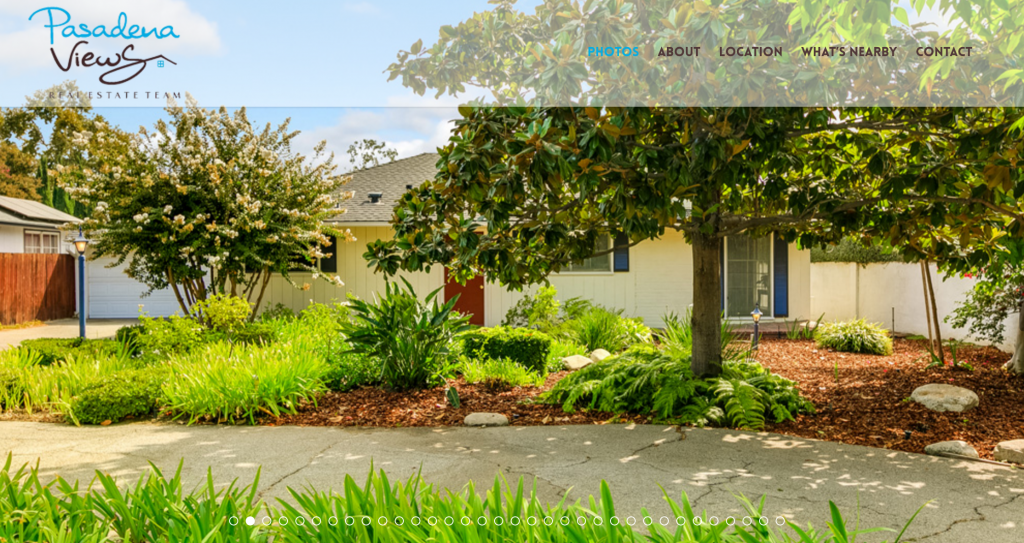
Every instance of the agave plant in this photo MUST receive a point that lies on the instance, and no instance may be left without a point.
(410, 337)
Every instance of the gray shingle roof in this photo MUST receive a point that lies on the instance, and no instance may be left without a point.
(31, 213)
(391, 179)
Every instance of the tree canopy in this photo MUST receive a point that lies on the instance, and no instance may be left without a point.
(206, 203)
(547, 182)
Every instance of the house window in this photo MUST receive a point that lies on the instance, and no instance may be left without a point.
(600, 263)
(620, 258)
(42, 242)
(748, 275)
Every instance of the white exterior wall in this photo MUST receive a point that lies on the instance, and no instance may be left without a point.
(845, 291)
(12, 239)
(660, 280)
(358, 277)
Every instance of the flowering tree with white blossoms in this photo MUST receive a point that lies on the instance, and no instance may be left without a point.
(205, 204)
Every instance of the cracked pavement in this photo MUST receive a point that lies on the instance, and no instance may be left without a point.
(969, 501)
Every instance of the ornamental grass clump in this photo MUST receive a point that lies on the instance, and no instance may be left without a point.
(160, 508)
(234, 382)
(858, 336)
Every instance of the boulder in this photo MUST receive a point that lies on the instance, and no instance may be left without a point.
(959, 448)
(944, 398)
(1010, 451)
(486, 419)
(575, 362)
(599, 355)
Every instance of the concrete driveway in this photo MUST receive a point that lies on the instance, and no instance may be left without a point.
(970, 501)
(66, 328)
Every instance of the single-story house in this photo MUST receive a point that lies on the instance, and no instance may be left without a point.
(32, 227)
(646, 280)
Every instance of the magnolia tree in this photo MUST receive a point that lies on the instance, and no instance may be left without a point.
(207, 204)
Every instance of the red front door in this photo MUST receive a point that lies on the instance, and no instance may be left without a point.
(471, 297)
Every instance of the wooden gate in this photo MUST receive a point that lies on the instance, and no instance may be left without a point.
(36, 287)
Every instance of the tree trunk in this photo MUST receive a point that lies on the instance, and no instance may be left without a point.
(1016, 364)
(935, 312)
(927, 308)
(707, 306)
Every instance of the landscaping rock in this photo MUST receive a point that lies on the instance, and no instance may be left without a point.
(599, 355)
(944, 398)
(959, 448)
(486, 419)
(1010, 451)
(575, 362)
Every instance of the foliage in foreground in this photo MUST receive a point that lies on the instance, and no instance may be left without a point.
(644, 380)
(158, 509)
(857, 336)
(412, 339)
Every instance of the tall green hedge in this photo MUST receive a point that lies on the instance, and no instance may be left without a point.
(851, 250)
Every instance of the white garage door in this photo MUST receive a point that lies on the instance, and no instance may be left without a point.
(114, 295)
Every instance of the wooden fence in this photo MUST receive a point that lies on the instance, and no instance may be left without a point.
(36, 287)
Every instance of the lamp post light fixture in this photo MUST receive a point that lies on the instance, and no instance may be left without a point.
(756, 315)
(80, 244)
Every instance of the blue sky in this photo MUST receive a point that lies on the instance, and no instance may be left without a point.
(319, 62)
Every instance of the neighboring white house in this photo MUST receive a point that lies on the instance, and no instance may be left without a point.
(647, 280)
(32, 227)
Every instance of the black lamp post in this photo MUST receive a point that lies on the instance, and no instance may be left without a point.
(80, 244)
(756, 315)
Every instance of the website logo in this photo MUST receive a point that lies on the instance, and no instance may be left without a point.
(123, 66)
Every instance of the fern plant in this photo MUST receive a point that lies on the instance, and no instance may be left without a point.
(648, 381)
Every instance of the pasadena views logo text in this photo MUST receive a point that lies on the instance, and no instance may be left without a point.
(123, 66)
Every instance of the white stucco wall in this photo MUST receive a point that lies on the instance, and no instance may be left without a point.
(886, 292)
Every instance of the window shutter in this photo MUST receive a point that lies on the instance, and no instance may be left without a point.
(621, 253)
(781, 270)
(329, 264)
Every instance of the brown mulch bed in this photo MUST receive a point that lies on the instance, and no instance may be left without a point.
(870, 404)
(380, 408)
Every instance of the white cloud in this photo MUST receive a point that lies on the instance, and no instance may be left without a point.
(28, 44)
(409, 130)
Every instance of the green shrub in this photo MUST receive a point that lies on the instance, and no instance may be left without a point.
(162, 338)
(857, 336)
(129, 336)
(277, 311)
(53, 350)
(560, 349)
(381, 509)
(499, 374)
(253, 333)
(529, 348)
(222, 381)
(32, 385)
(410, 338)
(539, 311)
(118, 396)
(351, 371)
(646, 381)
(222, 312)
(851, 250)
